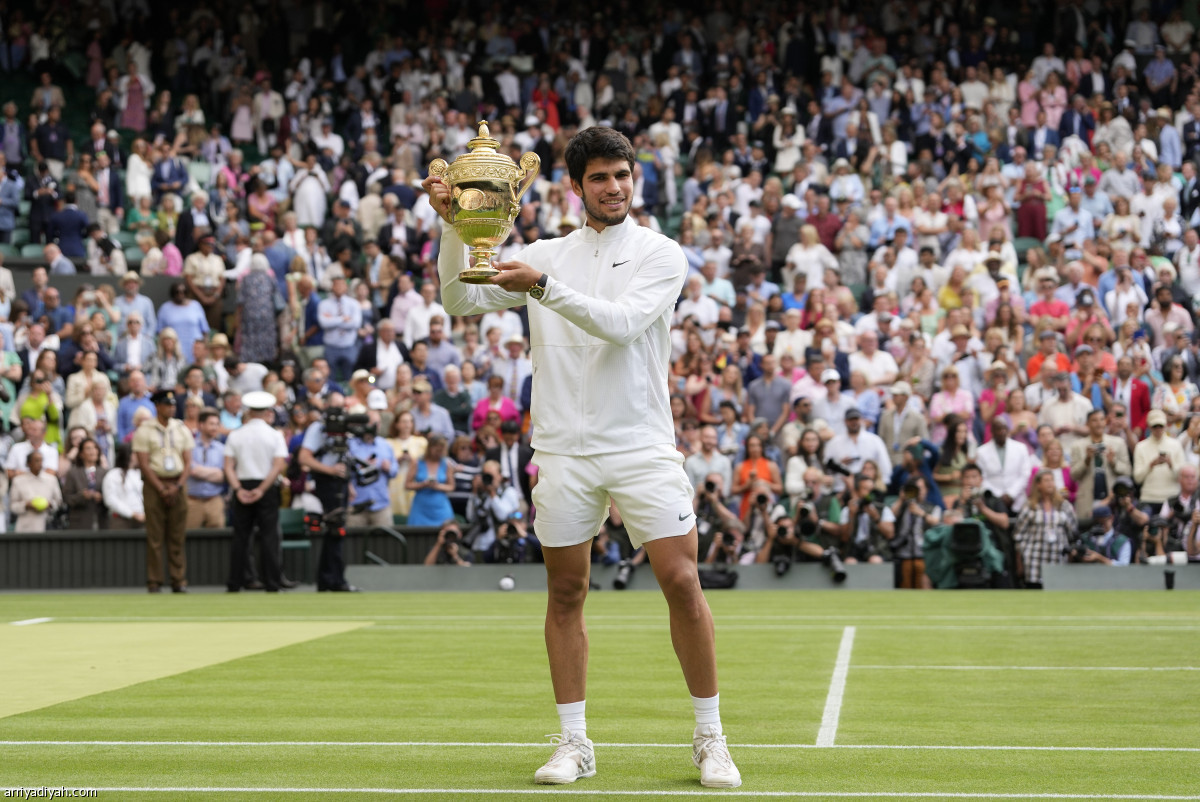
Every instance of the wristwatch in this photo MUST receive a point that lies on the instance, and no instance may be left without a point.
(538, 290)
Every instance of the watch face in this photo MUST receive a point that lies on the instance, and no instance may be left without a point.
(536, 292)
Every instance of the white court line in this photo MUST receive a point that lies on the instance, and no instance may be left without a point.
(1032, 668)
(607, 617)
(598, 792)
(28, 622)
(837, 688)
(540, 744)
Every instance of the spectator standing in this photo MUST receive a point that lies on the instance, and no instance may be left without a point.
(259, 304)
(163, 446)
(431, 480)
(372, 496)
(340, 318)
(206, 479)
(33, 494)
(186, 317)
(82, 489)
(204, 274)
(1046, 525)
(1157, 461)
(123, 491)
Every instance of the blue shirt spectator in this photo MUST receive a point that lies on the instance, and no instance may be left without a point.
(186, 317)
(137, 398)
(207, 455)
(380, 454)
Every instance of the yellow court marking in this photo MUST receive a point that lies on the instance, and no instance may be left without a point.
(52, 663)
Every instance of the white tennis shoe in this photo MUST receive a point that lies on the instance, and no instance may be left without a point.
(572, 759)
(711, 756)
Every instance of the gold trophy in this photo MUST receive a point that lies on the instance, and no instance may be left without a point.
(485, 197)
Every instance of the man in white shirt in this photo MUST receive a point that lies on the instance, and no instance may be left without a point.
(855, 447)
(602, 429)
(35, 438)
(387, 356)
(701, 308)
(416, 324)
(877, 365)
(1005, 465)
(1065, 412)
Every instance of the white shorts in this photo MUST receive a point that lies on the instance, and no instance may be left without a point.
(648, 485)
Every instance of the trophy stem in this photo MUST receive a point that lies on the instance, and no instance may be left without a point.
(481, 270)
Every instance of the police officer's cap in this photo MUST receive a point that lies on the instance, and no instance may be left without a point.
(258, 399)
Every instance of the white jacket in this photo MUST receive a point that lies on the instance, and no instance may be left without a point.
(600, 338)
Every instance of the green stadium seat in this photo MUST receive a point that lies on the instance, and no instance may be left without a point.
(201, 173)
(133, 258)
(399, 520)
(128, 240)
(31, 250)
(23, 207)
(20, 236)
(9, 250)
(291, 525)
(1024, 244)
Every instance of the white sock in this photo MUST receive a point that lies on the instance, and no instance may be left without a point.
(708, 711)
(572, 718)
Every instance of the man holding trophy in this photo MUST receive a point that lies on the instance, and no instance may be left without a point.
(600, 302)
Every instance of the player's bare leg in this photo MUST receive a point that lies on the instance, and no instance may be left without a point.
(567, 572)
(674, 562)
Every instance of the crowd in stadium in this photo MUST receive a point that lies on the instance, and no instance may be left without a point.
(943, 260)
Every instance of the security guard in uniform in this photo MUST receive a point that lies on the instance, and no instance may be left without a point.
(163, 448)
(255, 457)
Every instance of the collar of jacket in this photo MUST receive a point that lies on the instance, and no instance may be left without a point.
(610, 233)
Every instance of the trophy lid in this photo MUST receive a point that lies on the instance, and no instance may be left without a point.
(483, 143)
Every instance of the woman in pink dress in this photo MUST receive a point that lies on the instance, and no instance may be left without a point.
(1027, 96)
(950, 400)
(994, 212)
(134, 96)
(497, 402)
(1053, 98)
(95, 57)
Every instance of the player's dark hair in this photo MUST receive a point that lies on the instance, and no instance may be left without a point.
(596, 143)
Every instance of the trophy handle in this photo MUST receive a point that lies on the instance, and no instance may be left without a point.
(437, 168)
(530, 164)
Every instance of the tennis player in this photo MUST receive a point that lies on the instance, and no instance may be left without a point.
(600, 303)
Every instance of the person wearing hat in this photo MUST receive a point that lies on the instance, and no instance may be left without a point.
(1103, 543)
(131, 300)
(513, 367)
(163, 448)
(206, 480)
(833, 407)
(902, 421)
(852, 449)
(602, 429)
(204, 274)
(255, 457)
(1156, 462)
(1097, 460)
(428, 416)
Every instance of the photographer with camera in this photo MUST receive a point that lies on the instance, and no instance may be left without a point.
(798, 537)
(493, 501)
(712, 516)
(1183, 514)
(1104, 543)
(1097, 461)
(373, 467)
(865, 522)
(446, 550)
(847, 453)
(982, 505)
(914, 514)
(1129, 516)
(322, 453)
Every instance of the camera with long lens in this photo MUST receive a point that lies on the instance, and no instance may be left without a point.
(710, 486)
(1077, 547)
(837, 467)
(761, 499)
(624, 572)
(782, 559)
(806, 520)
(340, 426)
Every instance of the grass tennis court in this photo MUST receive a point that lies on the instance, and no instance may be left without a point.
(447, 696)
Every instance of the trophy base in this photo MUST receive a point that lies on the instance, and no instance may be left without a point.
(478, 275)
